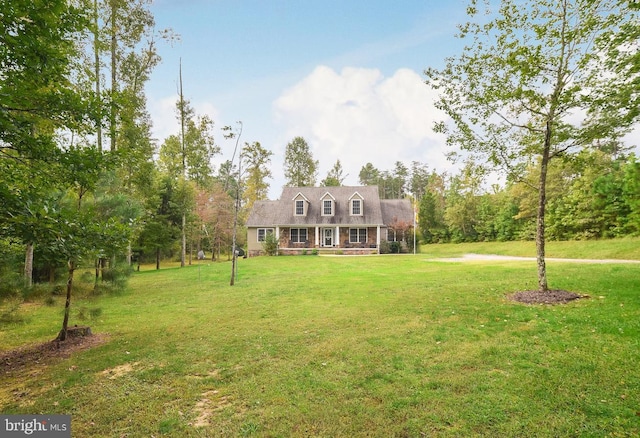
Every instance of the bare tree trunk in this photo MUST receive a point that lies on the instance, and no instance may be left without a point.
(157, 258)
(542, 202)
(114, 76)
(28, 265)
(65, 322)
(183, 253)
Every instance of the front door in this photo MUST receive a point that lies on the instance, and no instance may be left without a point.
(328, 236)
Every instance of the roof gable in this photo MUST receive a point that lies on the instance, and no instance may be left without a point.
(374, 210)
(298, 196)
(327, 195)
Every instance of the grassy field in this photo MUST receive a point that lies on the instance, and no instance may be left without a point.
(347, 346)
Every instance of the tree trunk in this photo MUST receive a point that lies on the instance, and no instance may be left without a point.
(542, 202)
(129, 254)
(28, 265)
(183, 254)
(65, 322)
(96, 52)
(114, 76)
(157, 259)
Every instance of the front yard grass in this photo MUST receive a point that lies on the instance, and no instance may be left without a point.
(344, 346)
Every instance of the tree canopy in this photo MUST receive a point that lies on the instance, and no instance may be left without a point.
(524, 89)
(300, 169)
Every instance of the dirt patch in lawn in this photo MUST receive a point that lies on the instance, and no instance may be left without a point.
(548, 297)
(38, 355)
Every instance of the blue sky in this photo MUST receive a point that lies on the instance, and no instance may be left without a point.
(345, 75)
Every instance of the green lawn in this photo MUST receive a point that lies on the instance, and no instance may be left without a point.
(345, 346)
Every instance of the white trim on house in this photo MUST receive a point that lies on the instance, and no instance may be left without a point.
(361, 234)
(264, 231)
(299, 238)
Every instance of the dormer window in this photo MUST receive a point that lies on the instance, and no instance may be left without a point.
(300, 205)
(328, 205)
(356, 207)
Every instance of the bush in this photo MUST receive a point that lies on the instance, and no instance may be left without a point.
(11, 285)
(270, 244)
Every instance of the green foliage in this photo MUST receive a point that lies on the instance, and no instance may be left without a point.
(335, 176)
(270, 244)
(36, 49)
(193, 159)
(395, 247)
(391, 184)
(256, 161)
(300, 169)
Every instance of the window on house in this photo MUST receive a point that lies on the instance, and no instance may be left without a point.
(300, 208)
(356, 207)
(327, 207)
(262, 233)
(298, 235)
(395, 235)
(357, 235)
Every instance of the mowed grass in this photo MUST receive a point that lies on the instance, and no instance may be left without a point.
(345, 346)
(624, 248)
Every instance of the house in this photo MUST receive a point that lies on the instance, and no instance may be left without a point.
(350, 220)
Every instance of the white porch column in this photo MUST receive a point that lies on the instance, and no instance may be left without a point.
(378, 238)
(277, 233)
(337, 238)
(317, 245)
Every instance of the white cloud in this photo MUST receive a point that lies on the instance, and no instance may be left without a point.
(360, 116)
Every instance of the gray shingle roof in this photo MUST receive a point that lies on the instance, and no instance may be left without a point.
(376, 212)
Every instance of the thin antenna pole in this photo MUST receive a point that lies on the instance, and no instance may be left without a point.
(183, 254)
(234, 256)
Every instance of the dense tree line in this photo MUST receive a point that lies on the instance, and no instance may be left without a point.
(594, 195)
(83, 181)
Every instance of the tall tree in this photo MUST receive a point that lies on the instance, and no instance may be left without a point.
(516, 92)
(300, 169)
(369, 175)
(335, 176)
(256, 164)
(193, 157)
(37, 101)
(431, 209)
(419, 179)
(189, 154)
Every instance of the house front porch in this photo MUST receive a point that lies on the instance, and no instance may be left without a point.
(328, 240)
